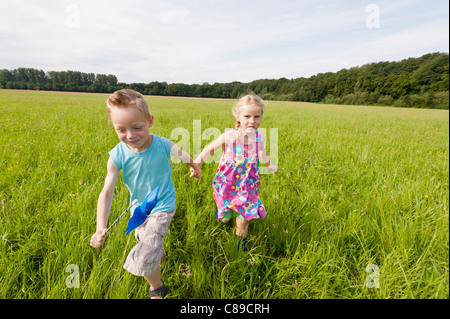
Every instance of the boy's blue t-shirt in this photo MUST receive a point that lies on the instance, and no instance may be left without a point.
(142, 172)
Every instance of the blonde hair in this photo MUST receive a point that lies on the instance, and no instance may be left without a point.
(128, 98)
(248, 98)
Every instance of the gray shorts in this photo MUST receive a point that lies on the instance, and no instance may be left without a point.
(145, 257)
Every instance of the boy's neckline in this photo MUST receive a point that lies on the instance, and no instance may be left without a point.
(145, 149)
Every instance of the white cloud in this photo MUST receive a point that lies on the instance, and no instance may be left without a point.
(173, 15)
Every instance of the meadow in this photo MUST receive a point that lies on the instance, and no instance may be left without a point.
(359, 208)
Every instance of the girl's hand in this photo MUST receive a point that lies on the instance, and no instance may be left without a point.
(98, 238)
(273, 168)
(195, 171)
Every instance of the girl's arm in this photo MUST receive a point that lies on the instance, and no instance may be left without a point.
(185, 158)
(104, 204)
(210, 149)
(265, 158)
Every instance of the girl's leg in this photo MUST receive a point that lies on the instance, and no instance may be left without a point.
(227, 217)
(241, 227)
(241, 233)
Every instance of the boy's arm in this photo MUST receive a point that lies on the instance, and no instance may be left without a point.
(106, 195)
(185, 158)
(104, 204)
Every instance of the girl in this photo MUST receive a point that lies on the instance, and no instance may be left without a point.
(236, 184)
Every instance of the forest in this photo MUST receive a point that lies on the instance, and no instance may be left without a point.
(421, 82)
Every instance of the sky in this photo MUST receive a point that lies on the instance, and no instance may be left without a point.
(197, 41)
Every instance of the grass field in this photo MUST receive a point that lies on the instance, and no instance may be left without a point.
(359, 208)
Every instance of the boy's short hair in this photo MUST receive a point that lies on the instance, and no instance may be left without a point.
(128, 98)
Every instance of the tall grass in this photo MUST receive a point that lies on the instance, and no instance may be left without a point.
(357, 186)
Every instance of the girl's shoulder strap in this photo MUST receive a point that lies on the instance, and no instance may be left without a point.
(230, 132)
(259, 138)
(227, 138)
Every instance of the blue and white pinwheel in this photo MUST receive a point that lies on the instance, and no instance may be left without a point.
(141, 212)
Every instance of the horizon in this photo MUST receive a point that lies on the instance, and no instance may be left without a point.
(273, 79)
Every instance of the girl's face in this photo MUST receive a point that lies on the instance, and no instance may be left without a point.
(131, 127)
(250, 116)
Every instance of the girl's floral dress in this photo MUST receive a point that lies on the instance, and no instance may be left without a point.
(236, 184)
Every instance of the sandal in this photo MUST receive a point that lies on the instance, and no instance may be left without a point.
(159, 292)
(242, 241)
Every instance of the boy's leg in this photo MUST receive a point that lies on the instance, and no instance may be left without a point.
(146, 256)
(155, 281)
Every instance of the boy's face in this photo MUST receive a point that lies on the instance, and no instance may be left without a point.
(131, 127)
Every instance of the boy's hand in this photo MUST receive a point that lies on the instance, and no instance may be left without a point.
(98, 238)
(195, 171)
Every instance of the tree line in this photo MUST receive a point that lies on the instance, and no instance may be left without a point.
(413, 82)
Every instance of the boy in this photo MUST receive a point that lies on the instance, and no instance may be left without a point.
(144, 159)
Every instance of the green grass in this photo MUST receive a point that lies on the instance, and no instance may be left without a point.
(356, 186)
